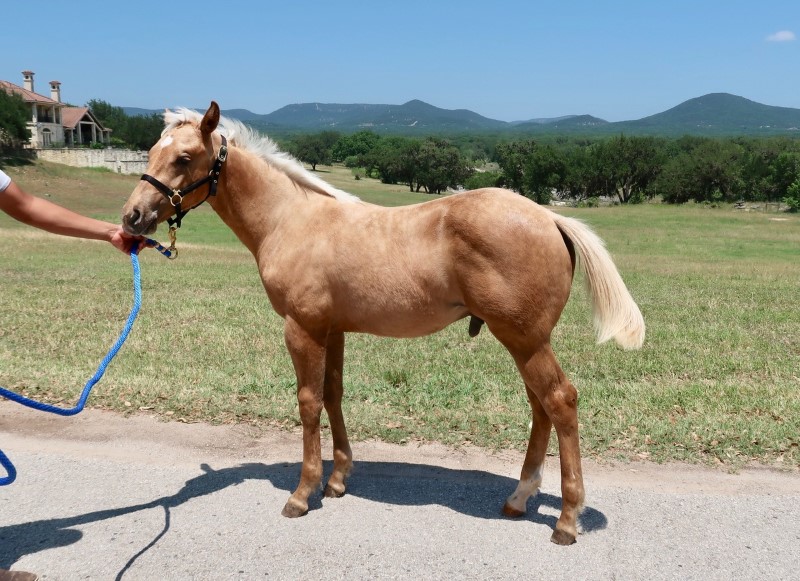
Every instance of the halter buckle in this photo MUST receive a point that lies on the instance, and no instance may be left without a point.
(176, 194)
(223, 153)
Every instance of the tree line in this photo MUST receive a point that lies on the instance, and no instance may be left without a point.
(627, 169)
(128, 131)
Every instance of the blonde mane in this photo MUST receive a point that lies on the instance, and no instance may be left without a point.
(242, 136)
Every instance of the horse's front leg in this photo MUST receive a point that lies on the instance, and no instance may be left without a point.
(307, 350)
(342, 455)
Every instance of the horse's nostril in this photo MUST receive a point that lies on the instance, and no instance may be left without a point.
(134, 216)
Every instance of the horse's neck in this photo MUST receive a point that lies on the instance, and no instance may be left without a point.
(252, 197)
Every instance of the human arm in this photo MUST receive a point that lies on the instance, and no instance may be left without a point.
(56, 219)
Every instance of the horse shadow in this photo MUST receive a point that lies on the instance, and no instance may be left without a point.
(470, 492)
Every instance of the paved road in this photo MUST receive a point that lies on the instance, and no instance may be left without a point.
(104, 497)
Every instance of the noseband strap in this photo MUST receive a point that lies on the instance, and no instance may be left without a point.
(175, 196)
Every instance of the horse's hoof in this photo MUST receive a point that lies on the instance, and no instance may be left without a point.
(331, 492)
(292, 511)
(562, 537)
(512, 512)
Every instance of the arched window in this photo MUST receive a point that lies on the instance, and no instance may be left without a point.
(47, 137)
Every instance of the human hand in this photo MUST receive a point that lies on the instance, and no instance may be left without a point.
(123, 241)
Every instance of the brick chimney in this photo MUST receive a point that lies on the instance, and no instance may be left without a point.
(28, 78)
(55, 91)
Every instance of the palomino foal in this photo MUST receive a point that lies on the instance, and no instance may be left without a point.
(331, 264)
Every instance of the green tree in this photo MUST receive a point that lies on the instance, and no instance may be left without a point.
(137, 132)
(708, 172)
(717, 171)
(143, 131)
(14, 117)
(582, 176)
(512, 158)
(674, 184)
(792, 198)
(628, 166)
(110, 116)
(389, 159)
(784, 173)
(440, 166)
(354, 145)
(768, 167)
(545, 171)
(314, 149)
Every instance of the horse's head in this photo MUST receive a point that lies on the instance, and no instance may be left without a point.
(180, 171)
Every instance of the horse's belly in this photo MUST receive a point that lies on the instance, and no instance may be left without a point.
(401, 323)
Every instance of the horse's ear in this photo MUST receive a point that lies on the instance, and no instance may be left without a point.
(210, 119)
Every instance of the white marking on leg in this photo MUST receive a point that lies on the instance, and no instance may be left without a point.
(525, 489)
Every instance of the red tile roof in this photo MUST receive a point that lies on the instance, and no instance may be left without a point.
(70, 116)
(29, 96)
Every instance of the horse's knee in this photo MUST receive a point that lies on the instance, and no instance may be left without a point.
(310, 405)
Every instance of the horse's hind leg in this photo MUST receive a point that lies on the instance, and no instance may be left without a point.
(308, 357)
(531, 476)
(559, 400)
(342, 455)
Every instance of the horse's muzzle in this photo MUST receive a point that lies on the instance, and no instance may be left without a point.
(140, 222)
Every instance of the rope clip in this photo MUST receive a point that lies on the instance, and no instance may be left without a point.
(173, 238)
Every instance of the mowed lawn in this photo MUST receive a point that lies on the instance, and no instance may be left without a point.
(717, 381)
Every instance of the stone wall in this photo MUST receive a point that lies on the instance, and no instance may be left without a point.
(123, 161)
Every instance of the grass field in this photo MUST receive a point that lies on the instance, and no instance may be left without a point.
(717, 381)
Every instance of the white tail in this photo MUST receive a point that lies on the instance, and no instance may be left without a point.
(616, 315)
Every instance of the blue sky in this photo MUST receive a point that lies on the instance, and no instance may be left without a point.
(508, 60)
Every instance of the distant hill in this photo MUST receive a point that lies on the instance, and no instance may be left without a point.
(570, 124)
(712, 114)
(412, 117)
(139, 112)
(542, 120)
(718, 113)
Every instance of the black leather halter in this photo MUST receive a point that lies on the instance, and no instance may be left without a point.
(175, 196)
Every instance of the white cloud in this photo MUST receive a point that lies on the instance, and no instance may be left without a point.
(781, 36)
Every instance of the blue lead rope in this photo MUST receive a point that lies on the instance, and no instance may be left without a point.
(137, 303)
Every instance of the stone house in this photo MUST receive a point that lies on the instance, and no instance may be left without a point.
(56, 124)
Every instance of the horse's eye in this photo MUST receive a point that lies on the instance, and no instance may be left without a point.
(183, 160)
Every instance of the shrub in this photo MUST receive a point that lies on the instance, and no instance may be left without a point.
(593, 202)
(482, 179)
(792, 198)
